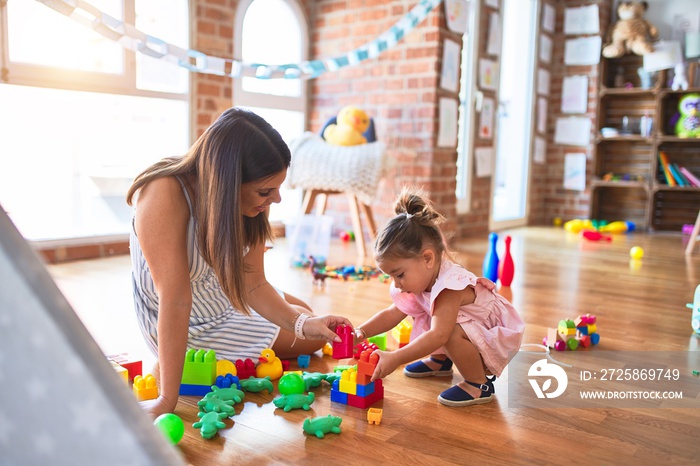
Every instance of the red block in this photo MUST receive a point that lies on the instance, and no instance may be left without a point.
(245, 369)
(343, 350)
(133, 367)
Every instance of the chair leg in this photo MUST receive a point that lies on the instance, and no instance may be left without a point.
(357, 224)
(693, 237)
(370, 221)
(308, 204)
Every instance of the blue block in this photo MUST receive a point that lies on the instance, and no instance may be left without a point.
(365, 390)
(194, 390)
(583, 330)
(595, 338)
(227, 380)
(303, 360)
(339, 397)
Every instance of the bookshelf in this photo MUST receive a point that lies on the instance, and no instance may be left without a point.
(628, 181)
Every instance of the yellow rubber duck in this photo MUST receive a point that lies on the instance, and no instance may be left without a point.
(270, 365)
(351, 123)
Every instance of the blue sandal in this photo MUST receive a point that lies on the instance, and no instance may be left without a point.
(456, 396)
(419, 369)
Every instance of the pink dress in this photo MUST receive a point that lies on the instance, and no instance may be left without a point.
(491, 322)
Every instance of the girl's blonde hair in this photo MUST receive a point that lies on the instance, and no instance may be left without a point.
(239, 147)
(415, 226)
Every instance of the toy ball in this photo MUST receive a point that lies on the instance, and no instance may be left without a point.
(171, 426)
(344, 236)
(636, 253)
(291, 384)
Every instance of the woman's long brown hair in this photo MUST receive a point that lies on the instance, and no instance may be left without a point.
(239, 147)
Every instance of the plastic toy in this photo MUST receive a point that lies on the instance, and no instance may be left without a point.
(327, 349)
(363, 346)
(213, 404)
(331, 377)
(680, 77)
(231, 393)
(577, 225)
(319, 426)
(617, 227)
(226, 381)
(199, 372)
(506, 268)
(489, 268)
(270, 365)
(374, 416)
(343, 349)
(209, 423)
(290, 402)
(257, 384)
(123, 373)
(312, 379)
(688, 125)
(303, 360)
(695, 317)
(171, 426)
(291, 384)
(595, 236)
(636, 253)
(572, 334)
(631, 33)
(245, 369)
(133, 366)
(224, 366)
(351, 123)
(402, 333)
(379, 341)
(145, 388)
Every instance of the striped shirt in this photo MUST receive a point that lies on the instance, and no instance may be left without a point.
(214, 323)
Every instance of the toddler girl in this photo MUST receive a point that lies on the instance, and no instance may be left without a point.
(457, 318)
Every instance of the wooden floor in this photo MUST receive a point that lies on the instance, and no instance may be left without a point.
(639, 306)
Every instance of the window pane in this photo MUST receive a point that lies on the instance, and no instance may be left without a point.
(41, 36)
(282, 47)
(167, 20)
(290, 125)
(74, 154)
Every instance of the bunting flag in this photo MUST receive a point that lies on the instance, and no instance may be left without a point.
(133, 39)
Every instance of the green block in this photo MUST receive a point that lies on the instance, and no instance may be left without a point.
(379, 340)
(200, 367)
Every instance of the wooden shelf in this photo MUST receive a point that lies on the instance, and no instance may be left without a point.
(650, 204)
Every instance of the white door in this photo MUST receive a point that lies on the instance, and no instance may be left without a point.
(514, 119)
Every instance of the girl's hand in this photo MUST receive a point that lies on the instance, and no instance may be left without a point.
(386, 365)
(486, 283)
(323, 328)
(158, 406)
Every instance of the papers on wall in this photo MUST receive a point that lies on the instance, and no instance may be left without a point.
(545, 48)
(548, 17)
(573, 131)
(447, 128)
(484, 161)
(575, 172)
(543, 81)
(486, 118)
(582, 51)
(449, 78)
(542, 115)
(457, 13)
(540, 155)
(494, 41)
(581, 20)
(574, 94)
(488, 74)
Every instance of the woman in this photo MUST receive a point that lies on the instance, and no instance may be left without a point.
(197, 243)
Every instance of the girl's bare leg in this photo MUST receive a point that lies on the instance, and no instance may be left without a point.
(467, 360)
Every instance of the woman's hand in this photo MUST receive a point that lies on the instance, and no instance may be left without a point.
(323, 328)
(158, 406)
(388, 362)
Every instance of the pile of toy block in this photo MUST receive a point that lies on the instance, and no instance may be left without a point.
(572, 334)
(354, 387)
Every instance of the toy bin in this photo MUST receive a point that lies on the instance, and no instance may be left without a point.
(310, 236)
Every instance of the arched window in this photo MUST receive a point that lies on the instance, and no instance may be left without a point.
(274, 39)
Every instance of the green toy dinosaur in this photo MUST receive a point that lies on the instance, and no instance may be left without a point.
(209, 424)
(319, 426)
(290, 402)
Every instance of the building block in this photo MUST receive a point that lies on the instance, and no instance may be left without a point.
(133, 366)
(245, 368)
(194, 390)
(303, 360)
(226, 381)
(338, 396)
(285, 365)
(145, 387)
(123, 373)
(567, 327)
(365, 366)
(584, 341)
(348, 381)
(365, 390)
(595, 338)
(402, 333)
(224, 367)
(365, 345)
(366, 402)
(200, 367)
(592, 328)
(343, 349)
(379, 340)
(328, 349)
(343, 367)
(374, 416)
(552, 337)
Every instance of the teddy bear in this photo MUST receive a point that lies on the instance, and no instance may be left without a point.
(347, 131)
(631, 33)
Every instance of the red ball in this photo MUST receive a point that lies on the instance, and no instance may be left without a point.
(344, 236)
